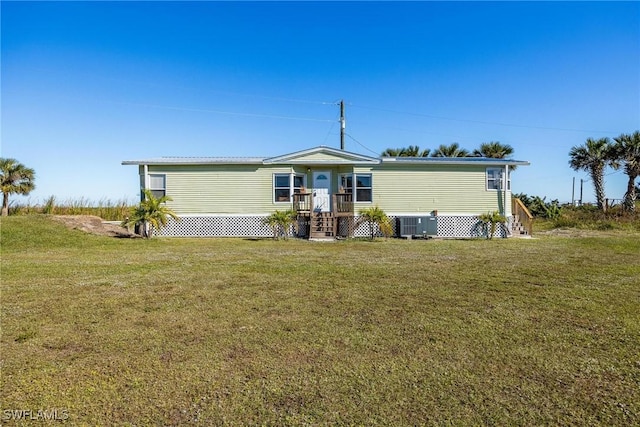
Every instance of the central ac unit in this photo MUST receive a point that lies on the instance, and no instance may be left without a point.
(417, 226)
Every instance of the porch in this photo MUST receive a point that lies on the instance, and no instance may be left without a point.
(323, 222)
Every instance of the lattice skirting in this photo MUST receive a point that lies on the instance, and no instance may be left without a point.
(449, 226)
(253, 226)
(466, 227)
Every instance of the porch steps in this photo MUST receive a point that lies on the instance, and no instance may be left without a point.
(517, 229)
(322, 225)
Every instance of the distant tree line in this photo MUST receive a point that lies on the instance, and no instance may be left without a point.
(493, 149)
(595, 155)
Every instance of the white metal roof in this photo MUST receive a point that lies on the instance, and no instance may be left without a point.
(455, 161)
(341, 157)
(196, 161)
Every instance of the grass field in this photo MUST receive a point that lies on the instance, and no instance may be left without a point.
(243, 332)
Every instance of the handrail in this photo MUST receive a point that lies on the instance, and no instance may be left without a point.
(343, 202)
(519, 209)
(302, 202)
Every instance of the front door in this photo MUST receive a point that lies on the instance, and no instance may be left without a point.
(322, 191)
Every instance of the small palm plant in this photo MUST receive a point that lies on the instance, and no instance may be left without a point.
(490, 220)
(281, 222)
(151, 213)
(376, 216)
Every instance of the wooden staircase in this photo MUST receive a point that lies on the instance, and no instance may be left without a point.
(518, 229)
(323, 225)
(522, 225)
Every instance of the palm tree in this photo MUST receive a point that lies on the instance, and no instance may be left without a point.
(593, 157)
(15, 178)
(150, 213)
(410, 151)
(627, 151)
(490, 221)
(493, 150)
(452, 150)
(392, 152)
(376, 216)
(281, 222)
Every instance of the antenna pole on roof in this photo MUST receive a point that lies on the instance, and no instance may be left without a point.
(342, 124)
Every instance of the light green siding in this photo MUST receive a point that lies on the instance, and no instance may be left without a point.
(222, 189)
(421, 189)
(397, 189)
(323, 157)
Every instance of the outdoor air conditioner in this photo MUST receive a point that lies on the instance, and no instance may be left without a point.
(417, 226)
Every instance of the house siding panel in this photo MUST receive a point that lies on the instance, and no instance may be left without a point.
(221, 189)
(320, 156)
(448, 189)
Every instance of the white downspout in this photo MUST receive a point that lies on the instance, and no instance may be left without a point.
(291, 183)
(507, 207)
(147, 182)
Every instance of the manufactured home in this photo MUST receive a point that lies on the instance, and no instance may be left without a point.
(327, 187)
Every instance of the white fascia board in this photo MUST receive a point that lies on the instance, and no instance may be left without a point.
(454, 161)
(342, 157)
(220, 215)
(195, 161)
(322, 162)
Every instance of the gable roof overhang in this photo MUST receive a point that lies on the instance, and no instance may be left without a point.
(325, 156)
(322, 155)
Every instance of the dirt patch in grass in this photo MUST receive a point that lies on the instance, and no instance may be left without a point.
(577, 232)
(93, 225)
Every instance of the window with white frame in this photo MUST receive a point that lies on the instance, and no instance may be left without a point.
(495, 178)
(358, 184)
(157, 185)
(285, 185)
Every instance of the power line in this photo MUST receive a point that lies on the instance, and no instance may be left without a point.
(361, 144)
(232, 113)
(164, 85)
(481, 121)
(607, 174)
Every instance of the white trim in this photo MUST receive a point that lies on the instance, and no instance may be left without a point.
(292, 187)
(440, 213)
(329, 177)
(502, 180)
(342, 157)
(146, 177)
(220, 215)
(478, 161)
(354, 184)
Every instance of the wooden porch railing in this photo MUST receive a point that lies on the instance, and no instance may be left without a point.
(303, 202)
(526, 219)
(342, 203)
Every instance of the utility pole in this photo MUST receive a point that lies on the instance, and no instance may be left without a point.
(581, 182)
(573, 192)
(342, 124)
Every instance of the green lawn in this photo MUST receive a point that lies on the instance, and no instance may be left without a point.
(236, 332)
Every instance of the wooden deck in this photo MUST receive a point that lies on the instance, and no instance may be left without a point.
(325, 225)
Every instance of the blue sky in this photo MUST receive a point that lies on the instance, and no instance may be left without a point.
(86, 85)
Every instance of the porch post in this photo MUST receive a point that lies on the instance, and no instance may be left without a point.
(146, 181)
(506, 185)
(291, 179)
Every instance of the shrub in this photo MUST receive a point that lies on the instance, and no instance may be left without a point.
(490, 221)
(281, 222)
(376, 216)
